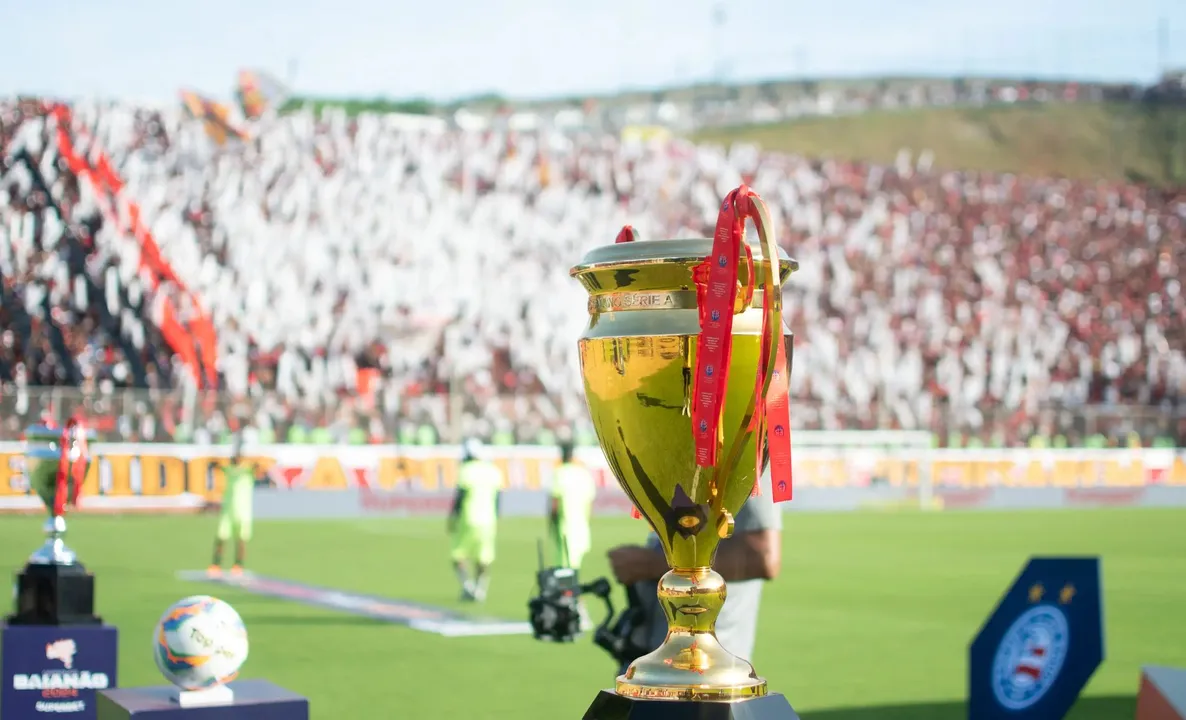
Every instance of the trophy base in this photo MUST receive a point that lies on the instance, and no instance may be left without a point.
(610, 706)
(55, 595)
(690, 666)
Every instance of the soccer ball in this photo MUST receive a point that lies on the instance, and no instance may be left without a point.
(200, 643)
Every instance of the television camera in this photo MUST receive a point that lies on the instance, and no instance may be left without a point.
(555, 612)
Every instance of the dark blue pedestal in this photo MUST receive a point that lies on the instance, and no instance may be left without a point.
(54, 670)
(254, 700)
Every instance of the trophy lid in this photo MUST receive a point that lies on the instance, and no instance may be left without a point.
(43, 433)
(46, 434)
(683, 253)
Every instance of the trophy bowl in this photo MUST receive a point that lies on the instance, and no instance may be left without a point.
(638, 359)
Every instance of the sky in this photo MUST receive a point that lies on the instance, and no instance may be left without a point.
(444, 49)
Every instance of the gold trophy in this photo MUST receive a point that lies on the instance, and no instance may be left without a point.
(639, 359)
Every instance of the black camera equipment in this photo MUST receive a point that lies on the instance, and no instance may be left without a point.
(555, 613)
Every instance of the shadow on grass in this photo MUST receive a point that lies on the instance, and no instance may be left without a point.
(1089, 708)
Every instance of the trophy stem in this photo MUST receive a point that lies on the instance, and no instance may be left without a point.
(691, 664)
(54, 551)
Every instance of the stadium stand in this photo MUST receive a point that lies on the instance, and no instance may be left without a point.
(358, 271)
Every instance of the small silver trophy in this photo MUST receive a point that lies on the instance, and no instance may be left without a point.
(54, 588)
(53, 470)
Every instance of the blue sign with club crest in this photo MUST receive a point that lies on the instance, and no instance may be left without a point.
(1041, 644)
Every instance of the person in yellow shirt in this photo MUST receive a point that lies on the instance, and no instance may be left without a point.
(235, 516)
(473, 521)
(570, 510)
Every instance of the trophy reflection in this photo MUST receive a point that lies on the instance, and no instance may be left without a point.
(54, 588)
(686, 372)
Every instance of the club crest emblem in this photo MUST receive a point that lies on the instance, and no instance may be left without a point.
(1030, 657)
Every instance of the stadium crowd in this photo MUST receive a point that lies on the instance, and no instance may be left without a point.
(368, 275)
(63, 295)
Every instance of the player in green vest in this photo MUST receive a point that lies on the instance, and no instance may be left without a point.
(570, 510)
(502, 437)
(426, 435)
(473, 521)
(407, 432)
(1039, 442)
(234, 519)
(321, 435)
(586, 437)
(297, 434)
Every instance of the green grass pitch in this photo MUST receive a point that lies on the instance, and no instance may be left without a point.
(870, 618)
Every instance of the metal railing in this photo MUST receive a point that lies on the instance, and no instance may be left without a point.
(135, 415)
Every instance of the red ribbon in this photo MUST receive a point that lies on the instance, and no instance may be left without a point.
(716, 296)
(772, 416)
(777, 411)
(66, 468)
(717, 292)
(79, 463)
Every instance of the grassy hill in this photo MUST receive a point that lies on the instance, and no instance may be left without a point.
(1116, 141)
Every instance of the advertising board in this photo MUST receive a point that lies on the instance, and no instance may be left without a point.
(185, 478)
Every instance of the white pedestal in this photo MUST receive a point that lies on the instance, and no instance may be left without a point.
(220, 695)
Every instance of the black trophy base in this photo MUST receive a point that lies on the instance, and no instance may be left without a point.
(611, 706)
(55, 595)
